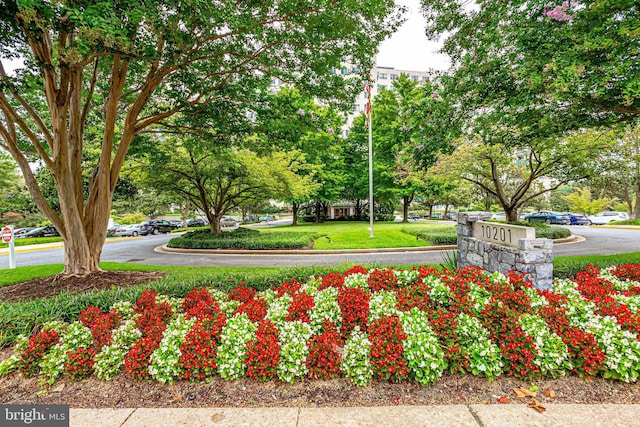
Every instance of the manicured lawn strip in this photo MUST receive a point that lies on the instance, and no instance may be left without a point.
(32, 241)
(355, 235)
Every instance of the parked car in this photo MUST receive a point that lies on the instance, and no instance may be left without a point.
(196, 222)
(228, 221)
(132, 230)
(46, 231)
(549, 217)
(608, 216)
(113, 228)
(250, 218)
(20, 231)
(157, 226)
(414, 216)
(266, 218)
(578, 219)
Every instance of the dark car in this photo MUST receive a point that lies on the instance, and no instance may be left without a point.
(157, 226)
(250, 218)
(549, 217)
(266, 218)
(414, 216)
(196, 222)
(578, 219)
(46, 231)
(21, 231)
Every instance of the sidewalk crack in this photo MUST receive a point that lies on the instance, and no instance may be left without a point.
(475, 416)
(128, 416)
(298, 417)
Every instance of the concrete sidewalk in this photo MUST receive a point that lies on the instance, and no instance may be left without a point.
(404, 416)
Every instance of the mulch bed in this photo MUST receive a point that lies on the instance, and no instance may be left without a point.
(125, 392)
(47, 287)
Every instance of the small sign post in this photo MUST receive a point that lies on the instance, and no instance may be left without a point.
(7, 237)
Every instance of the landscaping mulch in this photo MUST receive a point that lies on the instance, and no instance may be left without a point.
(51, 286)
(126, 392)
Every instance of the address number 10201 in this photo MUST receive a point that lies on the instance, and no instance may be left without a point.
(499, 234)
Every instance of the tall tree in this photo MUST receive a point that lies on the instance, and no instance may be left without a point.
(217, 180)
(544, 68)
(291, 120)
(513, 176)
(102, 73)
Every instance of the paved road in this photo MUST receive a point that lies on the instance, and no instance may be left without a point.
(598, 241)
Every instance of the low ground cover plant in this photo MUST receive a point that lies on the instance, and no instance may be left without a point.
(362, 324)
(243, 238)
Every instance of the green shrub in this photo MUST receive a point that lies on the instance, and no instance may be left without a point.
(439, 235)
(243, 238)
(544, 231)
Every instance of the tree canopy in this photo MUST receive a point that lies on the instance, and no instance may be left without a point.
(98, 75)
(543, 68)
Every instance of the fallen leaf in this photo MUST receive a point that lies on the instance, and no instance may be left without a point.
(217, 417)
(59, 388)
(523, 392)
(503, 399)
(536, 405)
(550, 394)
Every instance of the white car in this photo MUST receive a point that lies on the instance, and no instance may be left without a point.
(607, 216)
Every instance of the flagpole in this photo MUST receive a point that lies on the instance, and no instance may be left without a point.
(370, 113)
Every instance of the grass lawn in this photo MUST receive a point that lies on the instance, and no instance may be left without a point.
(355, 234)
(32, 241)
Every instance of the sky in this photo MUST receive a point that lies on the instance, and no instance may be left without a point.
(408, 48)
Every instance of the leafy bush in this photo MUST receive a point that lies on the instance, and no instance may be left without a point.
(566, 267)
(440, 235)
(243, 238)
(544, 231)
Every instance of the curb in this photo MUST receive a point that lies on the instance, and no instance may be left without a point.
(168, 250)
(55, 245)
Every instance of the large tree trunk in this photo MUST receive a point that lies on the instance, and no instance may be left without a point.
(511, 214)
(405, 208)
(294, 209)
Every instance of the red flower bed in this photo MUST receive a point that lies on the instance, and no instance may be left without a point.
(584, 351)
(300, 306)
(101, 325)
(382, 280)
(517, 348)
(415, 295)
(263, 353)
(242, 293)
(255, 308)
(335, 280)
(79, 364)
(38, 346)
(627, 272)
(290, 288)
(199, 349)
(354, 305)
(387, 354)
(325, 355)
(137, 360)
